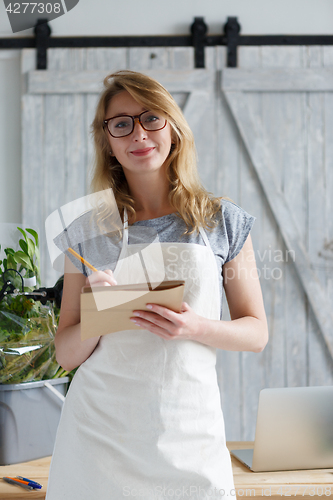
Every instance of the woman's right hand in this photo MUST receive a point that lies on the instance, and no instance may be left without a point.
(101, 278)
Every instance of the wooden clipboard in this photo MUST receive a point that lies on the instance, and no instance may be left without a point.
(108, 309)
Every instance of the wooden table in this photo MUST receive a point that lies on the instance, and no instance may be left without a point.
(302, 485)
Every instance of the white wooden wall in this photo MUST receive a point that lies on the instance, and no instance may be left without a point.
(277, 122)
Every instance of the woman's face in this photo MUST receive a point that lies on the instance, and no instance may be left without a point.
(142, 151)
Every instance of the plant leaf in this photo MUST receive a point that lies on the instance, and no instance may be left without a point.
(24, 245)
(34, 234)
(23, 232)
(11, 262)
(23, 259)
(31, 248)
(9, 251)
(37, 256)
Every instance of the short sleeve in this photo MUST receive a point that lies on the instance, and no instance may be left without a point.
(237, 224)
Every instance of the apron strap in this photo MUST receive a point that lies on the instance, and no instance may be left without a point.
(125, 233)
(204, 237)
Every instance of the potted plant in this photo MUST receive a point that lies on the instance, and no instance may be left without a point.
(27, 357)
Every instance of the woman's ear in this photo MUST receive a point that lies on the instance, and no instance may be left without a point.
(173, 137)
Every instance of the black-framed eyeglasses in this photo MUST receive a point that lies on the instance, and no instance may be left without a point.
(121, 126)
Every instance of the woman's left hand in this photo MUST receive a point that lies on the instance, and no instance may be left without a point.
(168, 324)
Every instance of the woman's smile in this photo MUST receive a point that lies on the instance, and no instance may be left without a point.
(142, 152)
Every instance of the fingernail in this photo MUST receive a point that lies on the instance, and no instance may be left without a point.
(134, 321)
(136, 314)
(148, 306)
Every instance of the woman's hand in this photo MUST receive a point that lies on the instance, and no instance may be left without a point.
(168, 324)
(101, 278)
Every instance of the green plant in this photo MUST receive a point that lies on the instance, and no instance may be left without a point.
(27, 327)
(26, 261)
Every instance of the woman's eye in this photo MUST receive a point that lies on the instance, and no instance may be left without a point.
(151, 118)
(122, 124)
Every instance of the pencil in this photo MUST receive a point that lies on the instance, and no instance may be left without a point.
(17, 483)
(84, 261)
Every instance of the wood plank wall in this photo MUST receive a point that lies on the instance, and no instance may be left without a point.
(298, 130)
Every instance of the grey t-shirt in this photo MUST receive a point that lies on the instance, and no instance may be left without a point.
(102, 250)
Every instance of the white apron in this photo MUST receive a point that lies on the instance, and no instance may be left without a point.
(142, 418)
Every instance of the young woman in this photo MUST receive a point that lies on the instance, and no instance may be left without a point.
(143, 417)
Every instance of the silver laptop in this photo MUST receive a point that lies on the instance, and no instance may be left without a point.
(294, 430)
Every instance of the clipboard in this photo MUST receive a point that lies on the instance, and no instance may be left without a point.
(107, 309)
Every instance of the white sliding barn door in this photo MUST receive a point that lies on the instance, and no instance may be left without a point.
(264, 135)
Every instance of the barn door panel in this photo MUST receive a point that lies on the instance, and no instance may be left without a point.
(302, 95)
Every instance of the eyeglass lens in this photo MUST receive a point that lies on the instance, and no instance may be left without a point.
(120, 126)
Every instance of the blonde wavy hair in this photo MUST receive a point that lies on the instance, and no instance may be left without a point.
(193, 203)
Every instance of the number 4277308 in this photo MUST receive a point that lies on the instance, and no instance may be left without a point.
(305, 490)
(31, 7)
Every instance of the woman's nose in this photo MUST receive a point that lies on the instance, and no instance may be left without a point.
(139, 132)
